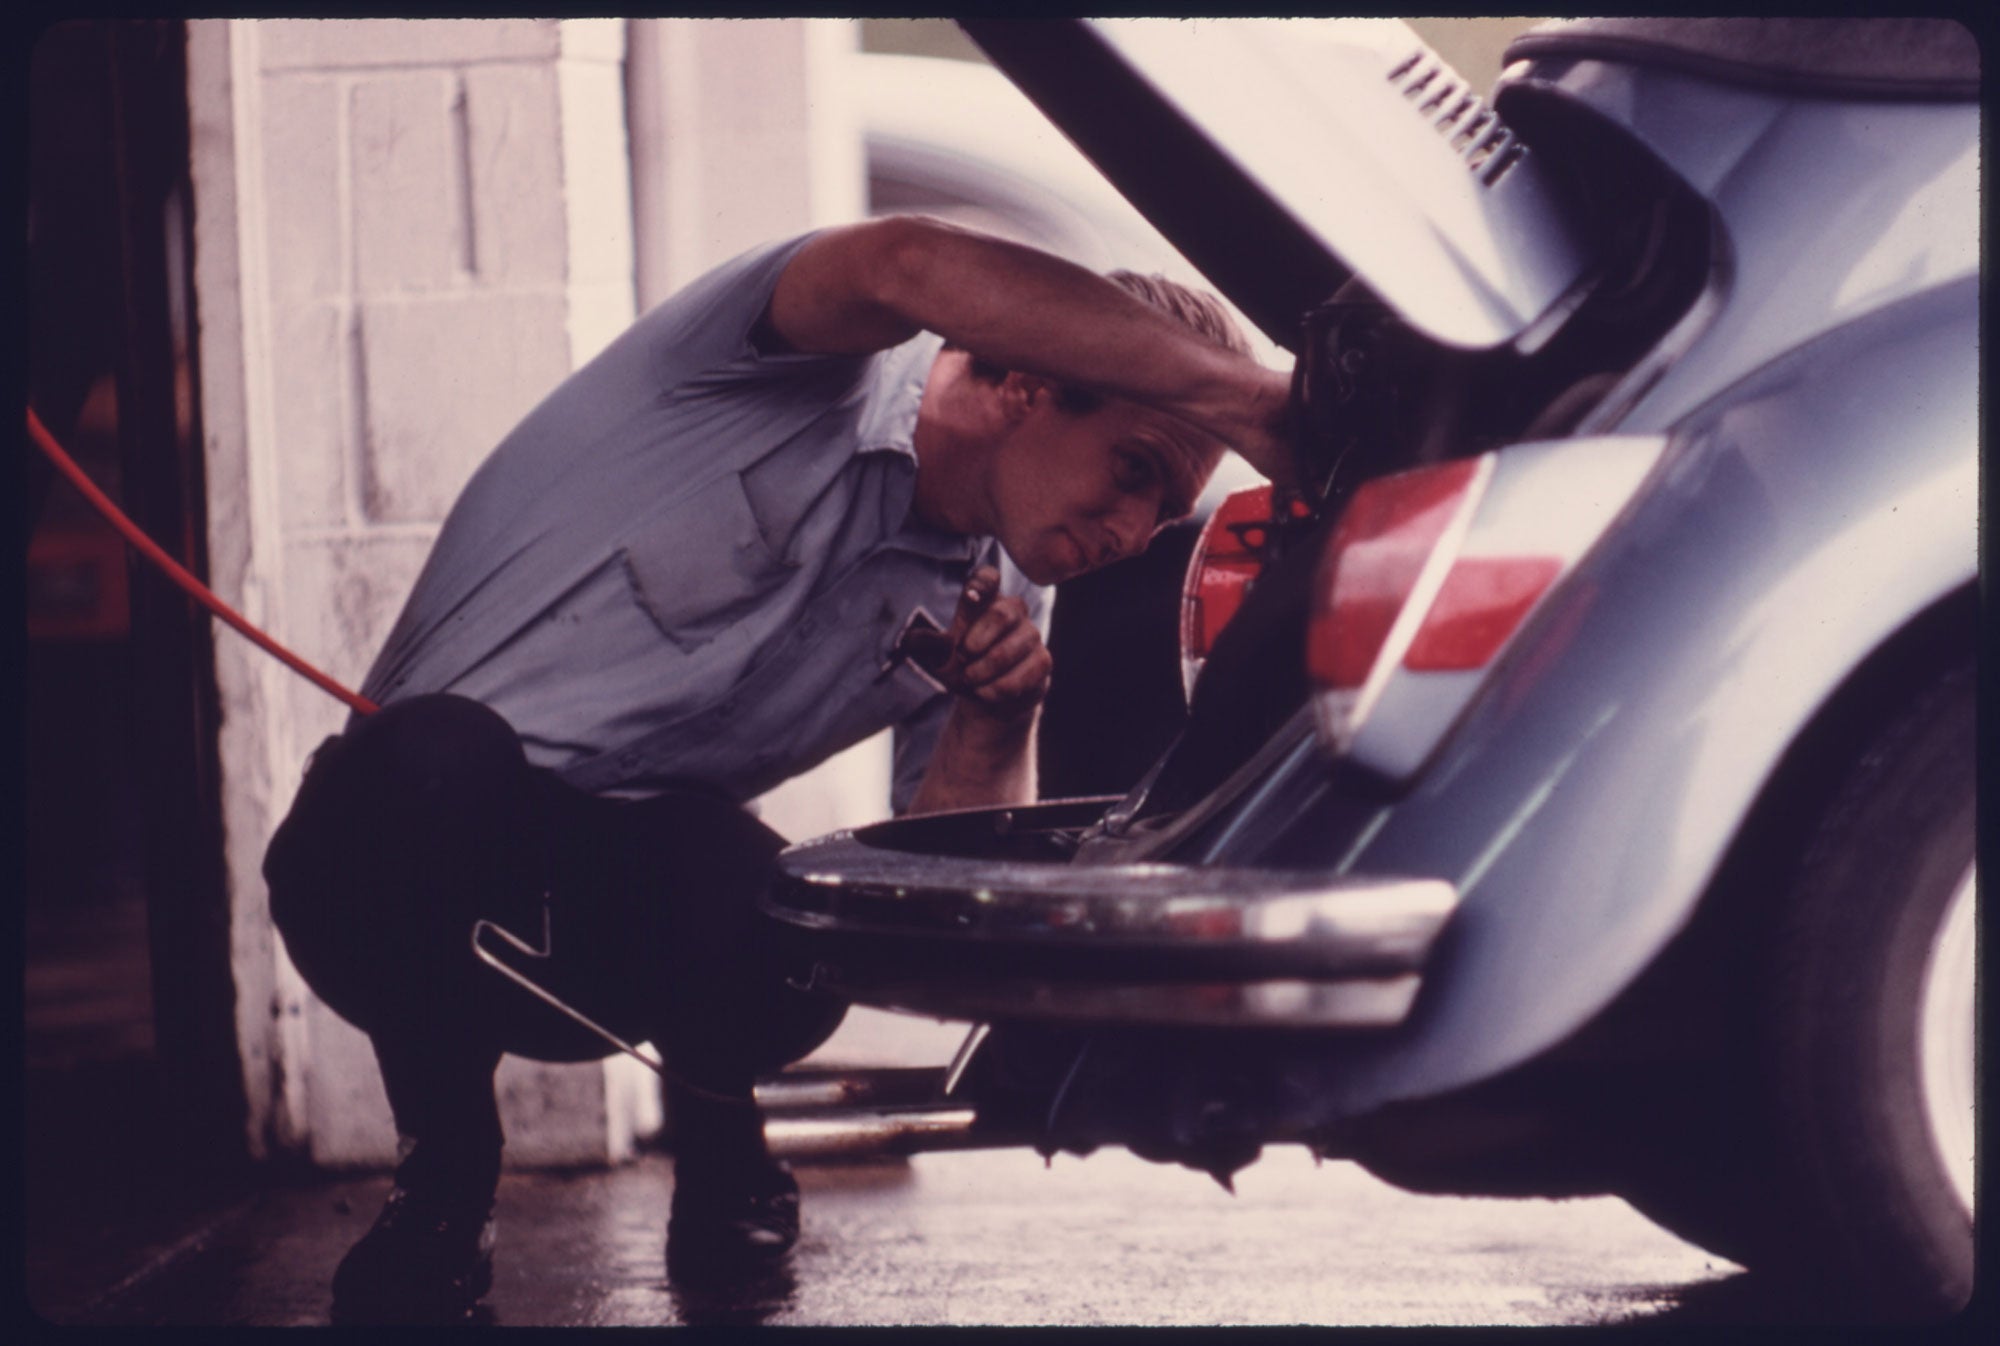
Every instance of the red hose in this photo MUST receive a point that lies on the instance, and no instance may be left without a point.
(199, 591)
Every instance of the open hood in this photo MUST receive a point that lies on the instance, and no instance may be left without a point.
(1283, 156)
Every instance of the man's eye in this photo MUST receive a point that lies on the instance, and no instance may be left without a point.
(1135, 472)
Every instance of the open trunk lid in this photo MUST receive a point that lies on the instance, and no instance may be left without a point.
(1283, 156)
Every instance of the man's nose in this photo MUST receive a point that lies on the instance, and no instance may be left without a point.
(1131, 527)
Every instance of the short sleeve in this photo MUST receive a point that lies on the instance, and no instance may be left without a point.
(709, 324)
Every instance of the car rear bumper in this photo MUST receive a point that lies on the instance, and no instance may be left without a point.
(973, 915)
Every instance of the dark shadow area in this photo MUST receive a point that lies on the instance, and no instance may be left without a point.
(1751, 1300)
(1115, 701)
(105, 1199)
(131, 1093)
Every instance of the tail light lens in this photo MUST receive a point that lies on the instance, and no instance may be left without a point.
(1388, 548)
(1426, 578)
(1393, 590)
(1227, 558)
(1482, 600)
(1430, 573)
(1393, 545)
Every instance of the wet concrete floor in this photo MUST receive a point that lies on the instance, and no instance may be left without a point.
(987, 1238)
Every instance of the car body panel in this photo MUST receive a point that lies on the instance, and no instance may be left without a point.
(1588, 798)
(1824, 210)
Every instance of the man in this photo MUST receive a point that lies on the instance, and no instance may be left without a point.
(696, 569)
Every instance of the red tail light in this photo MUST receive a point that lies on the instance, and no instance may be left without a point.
(1220, 572)
(1423, 582)
(1385, 546)
(1399, 587)
(1481, 602)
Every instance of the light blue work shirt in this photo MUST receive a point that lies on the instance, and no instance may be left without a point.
(693, 559)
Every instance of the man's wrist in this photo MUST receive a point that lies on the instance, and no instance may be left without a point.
(980, 760)
(993, 729)
(1266, 438)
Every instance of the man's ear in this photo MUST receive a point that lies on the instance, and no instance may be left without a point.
(1022, 393)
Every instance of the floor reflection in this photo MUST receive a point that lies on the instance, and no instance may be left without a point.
(748, 1303)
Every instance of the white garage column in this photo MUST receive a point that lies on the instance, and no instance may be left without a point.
(406, 233)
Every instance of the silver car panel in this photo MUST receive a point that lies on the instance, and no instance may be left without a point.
(1381, 152)
(1804, 515)
(1824, 210)
(1292, 1003)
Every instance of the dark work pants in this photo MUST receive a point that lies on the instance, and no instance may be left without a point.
(426, 817)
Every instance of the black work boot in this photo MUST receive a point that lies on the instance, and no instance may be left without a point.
(428, 1258)
(421, 1262)
(730, 1223)
(735, 1212)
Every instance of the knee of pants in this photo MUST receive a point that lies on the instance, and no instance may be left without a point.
(405, 830)
(800, 1023)
(753, 1037)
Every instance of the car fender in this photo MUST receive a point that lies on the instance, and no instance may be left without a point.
(1794, 524)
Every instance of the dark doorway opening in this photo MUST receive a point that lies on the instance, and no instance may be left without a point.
(133, 1092)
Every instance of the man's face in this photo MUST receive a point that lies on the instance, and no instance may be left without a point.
(1078, 491)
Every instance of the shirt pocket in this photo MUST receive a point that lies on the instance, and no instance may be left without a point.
(705, 566)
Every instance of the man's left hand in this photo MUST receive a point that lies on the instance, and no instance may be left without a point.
(998, 663)
(999, 671)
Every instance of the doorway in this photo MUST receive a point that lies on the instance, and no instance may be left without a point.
(133, 1082)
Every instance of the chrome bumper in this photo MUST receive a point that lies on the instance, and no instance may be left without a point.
(967, 936)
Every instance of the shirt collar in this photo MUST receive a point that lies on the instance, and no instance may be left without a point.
(890, 420)
(889, 425)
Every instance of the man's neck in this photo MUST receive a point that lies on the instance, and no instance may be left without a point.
(951, 464)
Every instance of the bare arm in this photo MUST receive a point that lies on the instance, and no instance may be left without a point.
(870, 286)
(980, 762)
